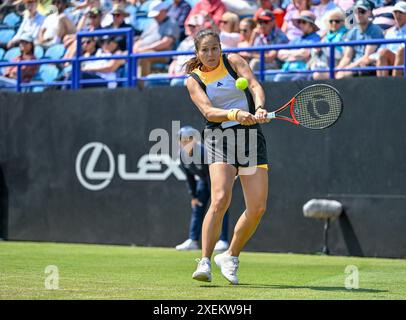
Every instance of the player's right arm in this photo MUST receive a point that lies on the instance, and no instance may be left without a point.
(211, 113)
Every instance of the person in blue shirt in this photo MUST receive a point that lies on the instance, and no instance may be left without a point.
(359, 56)
(193, 165)
(296, 59)
(179, 11)
(392, 54)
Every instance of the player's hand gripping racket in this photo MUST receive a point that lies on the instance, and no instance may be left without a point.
(315, 107)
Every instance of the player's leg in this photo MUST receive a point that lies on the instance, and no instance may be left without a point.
(222, 178)
(255, 188)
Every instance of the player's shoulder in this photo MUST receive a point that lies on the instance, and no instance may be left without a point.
(234, 58)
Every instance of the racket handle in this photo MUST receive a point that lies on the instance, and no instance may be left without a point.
(271, 115)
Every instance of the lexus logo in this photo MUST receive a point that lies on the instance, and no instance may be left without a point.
(149, 167)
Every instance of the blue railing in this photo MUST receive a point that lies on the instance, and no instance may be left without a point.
(132, 60)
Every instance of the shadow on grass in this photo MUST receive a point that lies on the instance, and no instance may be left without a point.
(277, 286)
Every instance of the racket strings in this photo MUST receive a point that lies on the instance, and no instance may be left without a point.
(317, 107)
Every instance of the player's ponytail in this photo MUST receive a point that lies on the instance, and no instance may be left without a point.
(194, 62)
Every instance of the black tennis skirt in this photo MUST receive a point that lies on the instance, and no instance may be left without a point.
(239, 145)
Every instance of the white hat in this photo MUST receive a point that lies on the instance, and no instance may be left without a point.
(400, 6)
(196, 20)
(156, 7)
(27, 38)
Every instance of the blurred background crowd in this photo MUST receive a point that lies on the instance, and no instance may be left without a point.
(46, 29)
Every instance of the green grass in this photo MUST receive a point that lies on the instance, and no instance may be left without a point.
(120, 272)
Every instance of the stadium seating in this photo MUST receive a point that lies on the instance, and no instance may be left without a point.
(48, 73)
(55, 52)
(2, 52)
(11, 54)
(12, 20)
(38, 52)
(6, 35)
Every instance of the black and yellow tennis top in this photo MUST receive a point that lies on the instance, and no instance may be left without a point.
(219, 85)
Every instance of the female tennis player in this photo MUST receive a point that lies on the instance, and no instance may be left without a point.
(212, 88)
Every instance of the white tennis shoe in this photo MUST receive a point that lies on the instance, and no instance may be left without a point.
(221, 246)
(228, 266)
(203, 271)
(189, 244)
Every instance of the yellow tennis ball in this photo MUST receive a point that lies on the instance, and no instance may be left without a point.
(241, 83)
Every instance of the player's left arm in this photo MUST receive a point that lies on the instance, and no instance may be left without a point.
(242, 68)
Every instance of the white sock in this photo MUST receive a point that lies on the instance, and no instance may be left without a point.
(205, 259)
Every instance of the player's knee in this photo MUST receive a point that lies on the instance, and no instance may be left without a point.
(220, 203)
(257, 211)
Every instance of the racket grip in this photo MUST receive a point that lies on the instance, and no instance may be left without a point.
(271, 115)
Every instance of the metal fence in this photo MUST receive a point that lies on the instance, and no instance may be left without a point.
(131, 58)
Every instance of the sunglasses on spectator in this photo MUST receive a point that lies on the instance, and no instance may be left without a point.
(264, 21)
(191, 26)
(116, 14)
(361, 11)
(335, 21)
(302, 22)
(243, 30)
(86, 41)
(224, 21)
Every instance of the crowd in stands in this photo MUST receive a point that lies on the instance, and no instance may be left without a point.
(35, 29)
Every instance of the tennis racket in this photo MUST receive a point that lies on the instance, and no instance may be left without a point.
(315, 107)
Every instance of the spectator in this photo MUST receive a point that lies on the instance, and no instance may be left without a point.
(138, 15)
(45, 7)
(269, 5)
(212, 10)
(179, 11)
(91, 21)
(229, 30)
(296, 60)
(383, 16)
(247, 27)
(108, 18)
(104, 69)
(392, 54)
(267, 34)
(359, 56)
(293, 11)
(94, 15)
(320, 11)
(119, 14)
(161, 36)
(79, 13)
(241, 7)
(89, 49)
(26, 44)
(335, 24)
(177, 66)
(31, 23)
(56, 25)
(138, 11)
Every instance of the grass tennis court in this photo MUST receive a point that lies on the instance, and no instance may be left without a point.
(124, 272)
